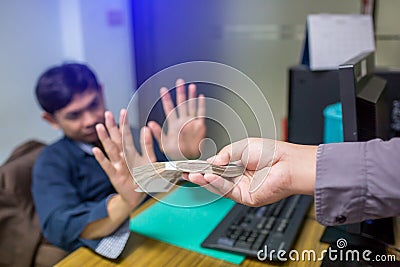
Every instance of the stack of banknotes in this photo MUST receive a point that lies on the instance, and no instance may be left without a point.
(161, 176)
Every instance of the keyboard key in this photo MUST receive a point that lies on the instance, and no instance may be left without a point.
(259, 241)
(279, 208)
(270, 223)
(242, 238)
(261, 223)
(293, 203)
(226, 241)
(264, 231)
(251, 239)
(254, 234)
(282, 225)
(260, 211)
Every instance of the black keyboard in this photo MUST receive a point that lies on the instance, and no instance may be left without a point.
(247, 230)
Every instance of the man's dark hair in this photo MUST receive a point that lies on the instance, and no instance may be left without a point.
(57, 85)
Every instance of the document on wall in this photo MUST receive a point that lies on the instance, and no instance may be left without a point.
(162, 176)
(332, 39)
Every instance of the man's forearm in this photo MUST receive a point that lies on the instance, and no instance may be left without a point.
(118, 211)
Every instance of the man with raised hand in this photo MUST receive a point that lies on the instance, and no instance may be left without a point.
(79, 201)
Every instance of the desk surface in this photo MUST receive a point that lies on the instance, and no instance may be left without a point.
(144, 251)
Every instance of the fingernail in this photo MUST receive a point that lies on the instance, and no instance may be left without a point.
(163, 91)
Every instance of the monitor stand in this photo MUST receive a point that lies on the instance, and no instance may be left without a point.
(372, 236)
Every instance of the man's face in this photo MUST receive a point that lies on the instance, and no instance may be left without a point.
(79, 118)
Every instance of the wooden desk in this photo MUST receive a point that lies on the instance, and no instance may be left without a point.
(144, 251)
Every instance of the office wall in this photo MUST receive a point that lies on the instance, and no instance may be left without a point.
(38, 34)
(108, 46)
(388, 34)
(30, 41)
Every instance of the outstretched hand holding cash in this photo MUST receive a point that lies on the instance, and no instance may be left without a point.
(273, 170)
(253, 171)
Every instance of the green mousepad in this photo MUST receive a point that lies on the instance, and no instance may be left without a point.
(184, 218)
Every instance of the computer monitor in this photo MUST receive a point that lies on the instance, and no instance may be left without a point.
(365, 111)
(365, 116)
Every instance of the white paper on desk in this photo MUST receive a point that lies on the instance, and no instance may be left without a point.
(334, 39)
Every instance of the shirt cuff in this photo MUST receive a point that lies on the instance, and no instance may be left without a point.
(340, 186)
(110, 246)
(113, 245)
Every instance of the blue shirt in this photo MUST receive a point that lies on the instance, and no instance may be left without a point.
(71, 190)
